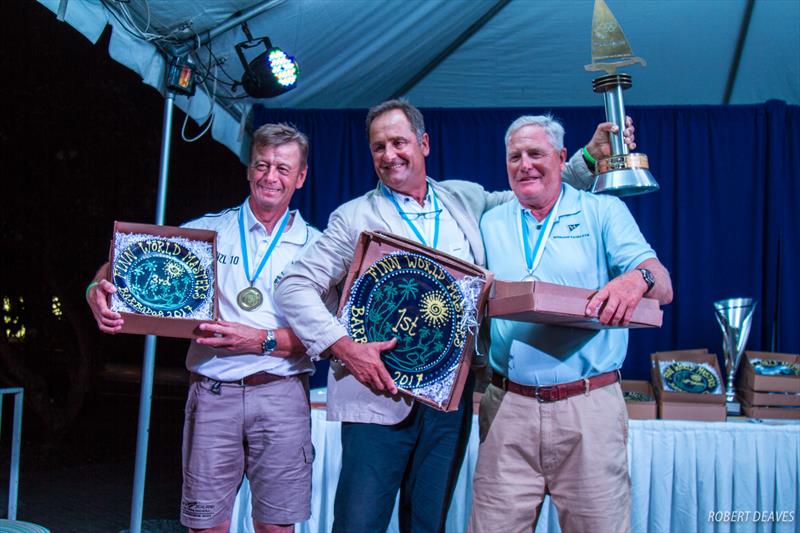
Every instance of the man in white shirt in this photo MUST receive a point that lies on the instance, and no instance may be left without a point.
(247, 410)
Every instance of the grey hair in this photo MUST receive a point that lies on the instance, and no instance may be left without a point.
(412, 114)
(552, 128)
(278, 135)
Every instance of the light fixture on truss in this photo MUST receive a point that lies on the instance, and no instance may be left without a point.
(270, 73)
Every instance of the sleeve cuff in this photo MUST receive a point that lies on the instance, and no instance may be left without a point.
(315, 349)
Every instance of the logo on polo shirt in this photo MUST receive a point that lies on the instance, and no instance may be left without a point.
(573, 226)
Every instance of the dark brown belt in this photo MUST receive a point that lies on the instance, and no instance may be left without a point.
(259, 378)
(562, 391)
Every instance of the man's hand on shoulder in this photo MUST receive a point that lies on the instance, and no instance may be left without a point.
(364, 362)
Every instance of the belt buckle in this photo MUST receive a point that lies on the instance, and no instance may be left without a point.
(241, 382)
(538, 396)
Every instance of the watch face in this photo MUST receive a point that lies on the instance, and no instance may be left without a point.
(648, 278)
(270, 343)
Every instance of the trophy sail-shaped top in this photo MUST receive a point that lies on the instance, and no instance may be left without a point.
(610, 48)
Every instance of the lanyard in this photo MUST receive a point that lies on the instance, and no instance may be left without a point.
(275, 238)
(534, 257)
(413, 227)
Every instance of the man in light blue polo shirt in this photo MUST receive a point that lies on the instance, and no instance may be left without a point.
(554, 420)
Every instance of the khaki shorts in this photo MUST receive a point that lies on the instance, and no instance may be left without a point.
(573, 449)
(262, 431)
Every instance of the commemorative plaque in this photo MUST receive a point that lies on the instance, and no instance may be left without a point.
(165, 278)
(689, 376)
(428, 301)
(775, 367)
(688, 385)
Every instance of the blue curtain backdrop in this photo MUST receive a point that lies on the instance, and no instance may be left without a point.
(725, 222)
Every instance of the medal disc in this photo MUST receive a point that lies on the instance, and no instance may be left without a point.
(249, 298)
(413, 299)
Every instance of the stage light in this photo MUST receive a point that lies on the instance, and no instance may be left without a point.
(271, 73)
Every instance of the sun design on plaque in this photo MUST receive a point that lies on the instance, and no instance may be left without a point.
(173, 269)
(434, 309)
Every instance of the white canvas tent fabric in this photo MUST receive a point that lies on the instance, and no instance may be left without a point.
(356, 53)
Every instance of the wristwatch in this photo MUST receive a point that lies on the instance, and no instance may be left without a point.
(649, 279)
(269, 344)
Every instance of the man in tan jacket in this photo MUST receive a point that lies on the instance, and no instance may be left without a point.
(388, 441)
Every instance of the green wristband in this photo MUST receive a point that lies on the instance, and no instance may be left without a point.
(589, 157)
(89, 287)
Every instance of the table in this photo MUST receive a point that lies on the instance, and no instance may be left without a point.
(681, 473)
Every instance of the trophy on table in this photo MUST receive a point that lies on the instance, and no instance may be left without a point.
(735, 315)
(622, 173)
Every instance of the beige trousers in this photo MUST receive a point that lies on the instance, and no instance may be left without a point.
(573, 449)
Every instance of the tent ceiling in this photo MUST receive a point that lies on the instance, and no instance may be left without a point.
(355, 53)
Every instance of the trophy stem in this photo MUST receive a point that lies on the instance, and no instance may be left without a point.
(731, 364)
(615, 112)
(622, 173)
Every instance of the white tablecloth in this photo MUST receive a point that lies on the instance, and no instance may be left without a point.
(681, 472)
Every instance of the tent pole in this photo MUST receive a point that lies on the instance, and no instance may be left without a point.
(149, 362)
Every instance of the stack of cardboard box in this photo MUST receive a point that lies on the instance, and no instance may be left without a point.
(769, 393)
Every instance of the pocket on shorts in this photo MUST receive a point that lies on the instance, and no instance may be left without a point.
(191, 399)
(490, 405)
(309, 453)
(623, 414)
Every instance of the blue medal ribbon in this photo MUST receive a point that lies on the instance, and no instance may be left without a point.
(275, 238)
(534, 257)
(413, 227)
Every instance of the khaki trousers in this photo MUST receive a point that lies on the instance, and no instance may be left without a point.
(573, 449)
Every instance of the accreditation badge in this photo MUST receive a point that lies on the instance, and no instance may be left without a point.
(412, 298)
(163, 276)
(688, 376)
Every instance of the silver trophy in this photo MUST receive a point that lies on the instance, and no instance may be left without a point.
(622, 173)
(735, 316)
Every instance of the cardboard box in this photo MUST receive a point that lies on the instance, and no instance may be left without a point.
(375, 246)
(636, 409)
(684, 405)
(144, 324)
(749, 379)
(560, 305)
(767, 399)
(754, 411)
